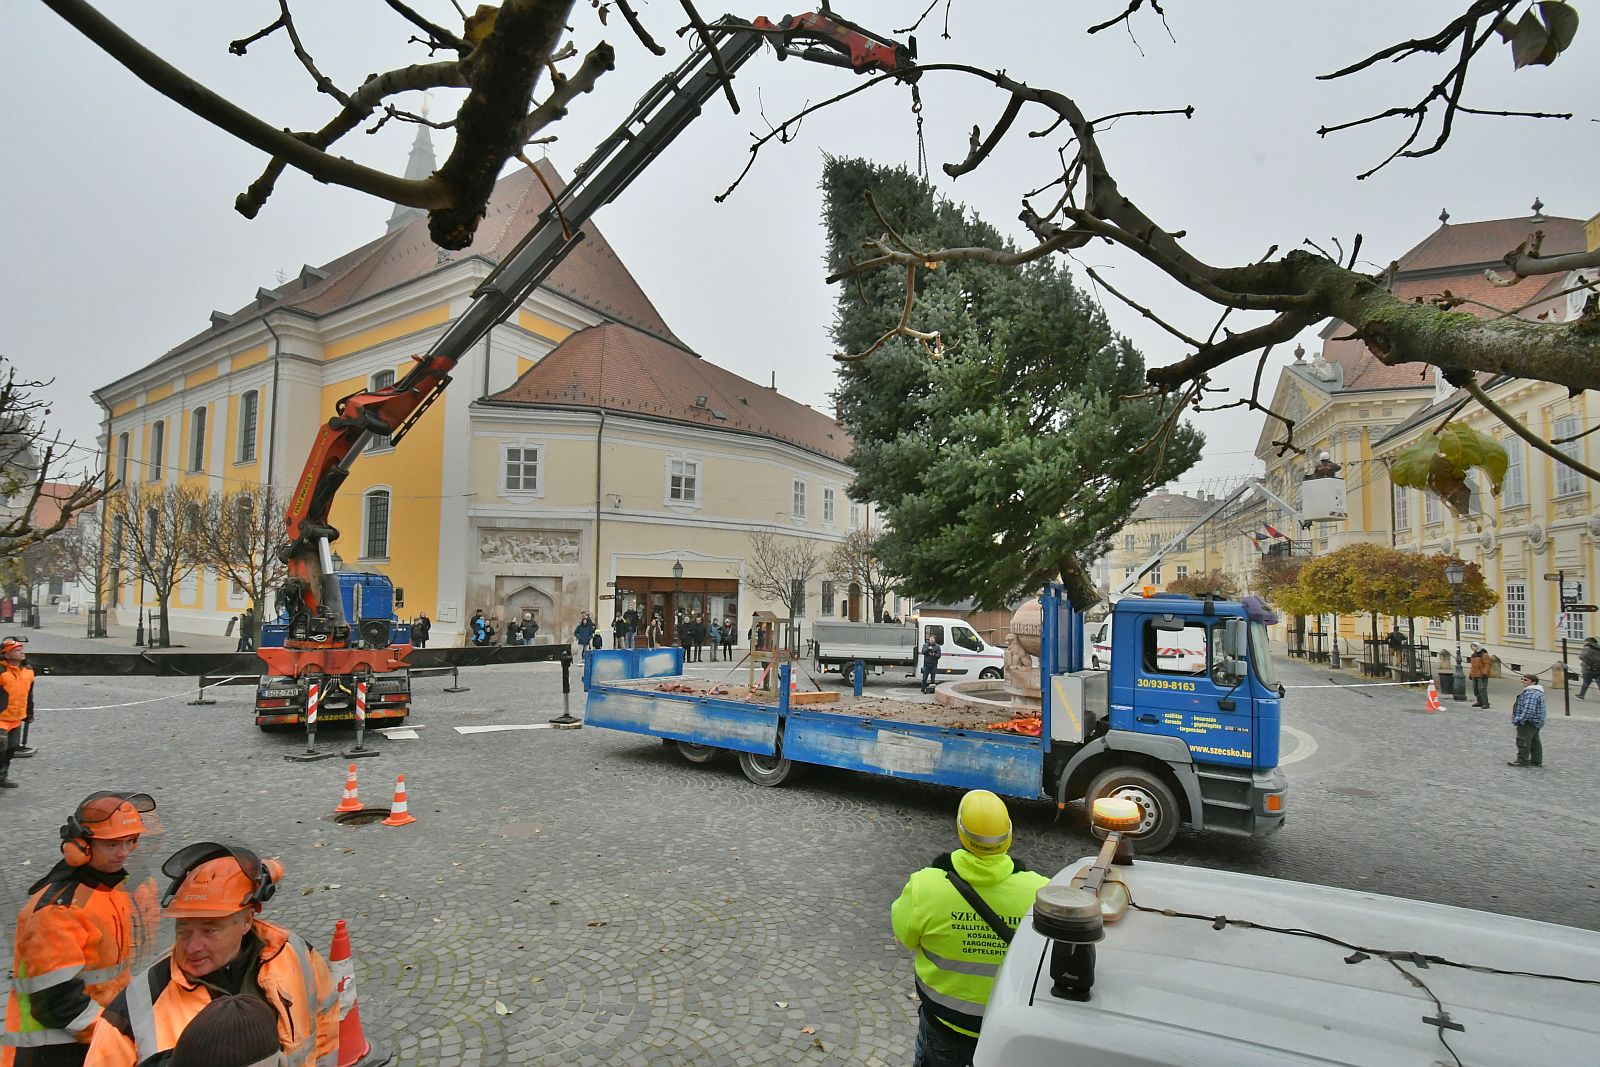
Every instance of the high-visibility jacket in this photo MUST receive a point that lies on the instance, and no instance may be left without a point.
(957, 953)
(74, 942)
(16, 686)
(161, 1000)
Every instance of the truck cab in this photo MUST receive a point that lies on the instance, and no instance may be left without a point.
(1196, 677)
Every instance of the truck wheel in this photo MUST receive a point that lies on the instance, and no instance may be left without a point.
(989, 673)
(766, 770)
(697, 753)
(1155, 800)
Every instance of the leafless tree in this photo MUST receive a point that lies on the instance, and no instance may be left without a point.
(239, 542)
(1073, 202)
(158, 526)
(780, 567)
(34, 463)
(72, 554)
(855, 561)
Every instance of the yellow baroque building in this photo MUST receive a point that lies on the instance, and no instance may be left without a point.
(582, 455)
(1544, 522)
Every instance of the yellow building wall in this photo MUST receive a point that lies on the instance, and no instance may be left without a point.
(377, 335)
(248, 358)
(414, 475)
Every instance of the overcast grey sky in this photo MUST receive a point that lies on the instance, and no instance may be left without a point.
(121, 237)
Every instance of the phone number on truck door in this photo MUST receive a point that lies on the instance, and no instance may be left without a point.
(1165, 683)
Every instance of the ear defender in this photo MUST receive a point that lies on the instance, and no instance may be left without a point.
(74, 842)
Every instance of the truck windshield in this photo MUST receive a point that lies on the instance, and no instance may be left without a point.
(1261, 655)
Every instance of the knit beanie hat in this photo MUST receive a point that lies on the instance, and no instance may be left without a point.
(237, 1031)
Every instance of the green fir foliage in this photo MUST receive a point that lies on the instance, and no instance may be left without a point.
(1014, 457)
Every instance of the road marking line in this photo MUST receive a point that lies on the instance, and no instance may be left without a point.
(498, 729)
(1307, 745)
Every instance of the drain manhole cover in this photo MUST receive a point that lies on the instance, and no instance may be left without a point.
(361, 818)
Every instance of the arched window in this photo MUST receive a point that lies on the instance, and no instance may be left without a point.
(381, 380)
(158, 445)
(197, 440)
(375, 524)
(249, 416)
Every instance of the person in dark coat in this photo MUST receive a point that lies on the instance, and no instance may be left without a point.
(930, 651)
(583, 633)
(247, 631)
(727, 638)
(420, 628)
(479, 629)
(1590, 662)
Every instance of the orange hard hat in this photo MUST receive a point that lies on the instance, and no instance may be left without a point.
(212, 879)
(109, 816)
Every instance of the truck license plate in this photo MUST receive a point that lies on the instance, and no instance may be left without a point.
(280, 692)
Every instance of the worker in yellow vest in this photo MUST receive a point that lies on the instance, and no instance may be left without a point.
(958, 917)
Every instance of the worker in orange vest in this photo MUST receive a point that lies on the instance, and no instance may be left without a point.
(75, 935)
(223, 948)
(16, 704)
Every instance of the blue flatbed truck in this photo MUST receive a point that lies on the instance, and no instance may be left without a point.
(1193, 743)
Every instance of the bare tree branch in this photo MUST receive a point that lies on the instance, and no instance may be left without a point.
(1470, 384)
(638, 28)
(438, 33)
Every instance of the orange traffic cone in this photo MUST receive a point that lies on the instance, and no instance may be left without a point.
(1433, 697)
(349, 802)
(354, 1048)
(398, 815)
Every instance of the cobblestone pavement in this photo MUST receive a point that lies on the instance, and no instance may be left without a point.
(622, 906)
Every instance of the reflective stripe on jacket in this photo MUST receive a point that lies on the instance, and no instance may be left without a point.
(75, 940)
(160, 1001)
(958, 954)
(16, 684)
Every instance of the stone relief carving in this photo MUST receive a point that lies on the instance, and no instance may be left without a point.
(1594, 525)
(527, 546)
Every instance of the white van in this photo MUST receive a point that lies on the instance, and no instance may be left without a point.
(1184, 651)
(965, 654)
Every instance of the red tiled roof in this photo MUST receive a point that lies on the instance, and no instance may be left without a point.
(625, 370)
(592, 274)
(1486, 242)
(1467, 246)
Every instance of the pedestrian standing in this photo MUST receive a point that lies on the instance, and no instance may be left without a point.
(584, 633)
(1478, 673)
(619, 630)
(420, 628)
(513, 632)
(652, 631)
(727, 638)
(247, 631)
(530, 626)
(1527, 715)
(930, 661)
(1590, 661)
(16, 690)
(222, 948)
(714, 637)
(74, 939)
(685, 636)
(1397, 645)
(478, 629)
(957, 917)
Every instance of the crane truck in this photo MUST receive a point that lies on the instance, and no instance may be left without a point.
(320, 645)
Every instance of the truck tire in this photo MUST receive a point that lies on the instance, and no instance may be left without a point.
(767, 770)
(697, 753)
(1162, 816)
(990, 673)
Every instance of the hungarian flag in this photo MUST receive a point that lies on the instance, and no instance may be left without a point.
(1272, 531)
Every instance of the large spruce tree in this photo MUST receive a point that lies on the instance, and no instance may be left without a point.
(1012, 458)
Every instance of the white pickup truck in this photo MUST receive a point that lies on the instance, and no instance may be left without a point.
(1212, 969)
(963, 652)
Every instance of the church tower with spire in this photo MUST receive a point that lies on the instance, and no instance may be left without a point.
(419, 166)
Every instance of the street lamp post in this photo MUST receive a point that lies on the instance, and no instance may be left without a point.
(677, 589)
(1455, 574)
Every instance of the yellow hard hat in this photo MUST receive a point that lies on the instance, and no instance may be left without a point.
(984, 824)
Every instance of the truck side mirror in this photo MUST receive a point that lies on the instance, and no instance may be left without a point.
(1235, 639)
